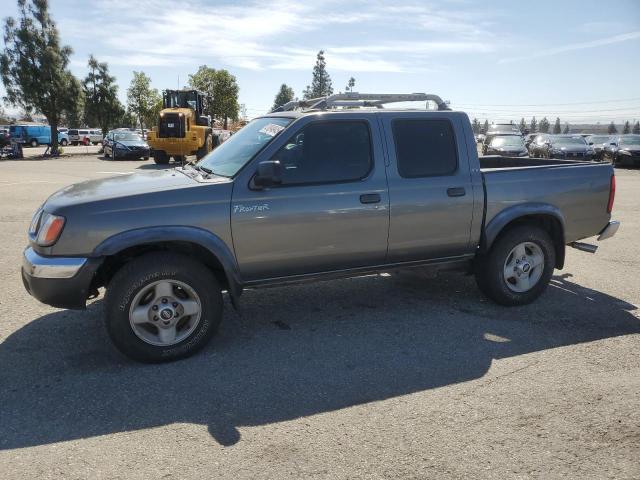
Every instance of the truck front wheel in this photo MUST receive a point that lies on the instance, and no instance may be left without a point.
(518, 267)
(160, 157)
(162, 307)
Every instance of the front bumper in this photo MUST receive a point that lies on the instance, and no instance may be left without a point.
(62, 282)
(131, 154)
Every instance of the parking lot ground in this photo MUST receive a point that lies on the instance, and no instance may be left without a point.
(404, 375)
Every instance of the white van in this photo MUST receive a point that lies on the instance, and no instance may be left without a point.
(81, 136)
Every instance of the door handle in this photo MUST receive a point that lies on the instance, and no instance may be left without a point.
(370, 198)
(456, 192)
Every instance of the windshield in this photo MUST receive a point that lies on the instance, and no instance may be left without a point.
(504, 128)
(126, 136)
(512, 141)
(599, 139)
(628, 141)
(232, 155)
(568, 141)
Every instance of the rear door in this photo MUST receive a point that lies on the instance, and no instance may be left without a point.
(430, 187)
(331, 211)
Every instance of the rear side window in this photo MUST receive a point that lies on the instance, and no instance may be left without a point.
(326, 152)
(425, 148)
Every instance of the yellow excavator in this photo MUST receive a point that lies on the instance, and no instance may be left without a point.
(182, 128)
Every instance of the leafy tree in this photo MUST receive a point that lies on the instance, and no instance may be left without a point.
(627, 127)
(485, 126)
(636, 128)
(153, 114)
(74, 117)
(33, 65)
(523, 125)
(566, 128)
(102, 106)
(612, 128)
(320, 82)
(544, 125)
(556, 126)
(284, 95)
(533, 126)
(476, 126)
(141, 98)
(4, 118)
(351, 84)
(221, 91)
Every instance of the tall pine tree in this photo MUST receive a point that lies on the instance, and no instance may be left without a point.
(485, 126)
(611, 129)
(627, 127)
(321, 81)
(533, 126)
(34, 66)
(544, 125)
(101, 107)
(522, 126)
(636, 128)
(556, 126)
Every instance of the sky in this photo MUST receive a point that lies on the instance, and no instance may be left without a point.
(496, 60)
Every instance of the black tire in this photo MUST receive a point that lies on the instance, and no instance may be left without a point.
(145, 158)
(178, 158)
(149, 268)
(63, 142)
(33, 142)
(206, 148)
(160, 157)
(490, 275)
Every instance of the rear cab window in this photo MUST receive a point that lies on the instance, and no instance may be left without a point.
(425, 147)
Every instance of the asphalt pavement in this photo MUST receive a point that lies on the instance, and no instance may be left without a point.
(400, 375)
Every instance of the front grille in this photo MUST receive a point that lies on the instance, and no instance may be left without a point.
(171, 126)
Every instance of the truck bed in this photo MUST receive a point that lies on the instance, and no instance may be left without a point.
(579, 190)
(498, 162)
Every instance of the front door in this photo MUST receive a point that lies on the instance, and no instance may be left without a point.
(331, 210)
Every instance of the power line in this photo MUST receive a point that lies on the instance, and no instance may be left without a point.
(545, 104)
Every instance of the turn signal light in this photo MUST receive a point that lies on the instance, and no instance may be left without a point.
(50, 230)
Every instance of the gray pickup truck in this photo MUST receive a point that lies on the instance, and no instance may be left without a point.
(305, 195)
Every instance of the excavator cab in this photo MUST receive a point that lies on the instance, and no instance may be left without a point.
(182, 128)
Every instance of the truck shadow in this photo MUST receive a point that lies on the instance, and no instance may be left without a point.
(292, 352)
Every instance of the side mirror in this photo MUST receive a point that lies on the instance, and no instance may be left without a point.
(269, 173)
(612, 144)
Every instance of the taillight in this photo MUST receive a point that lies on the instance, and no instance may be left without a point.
(50, 230)
(612, 193)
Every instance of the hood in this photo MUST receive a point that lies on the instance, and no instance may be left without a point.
(118, 187)
(132, 143)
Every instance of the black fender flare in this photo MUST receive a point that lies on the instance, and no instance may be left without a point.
(204, 238)
(510, 214)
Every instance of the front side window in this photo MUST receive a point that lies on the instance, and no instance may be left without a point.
(326, 152)
(425, 148)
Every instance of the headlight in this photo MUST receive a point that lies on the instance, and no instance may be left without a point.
(50, 230)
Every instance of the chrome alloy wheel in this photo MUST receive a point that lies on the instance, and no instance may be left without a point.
(165, 312)
(523, 267)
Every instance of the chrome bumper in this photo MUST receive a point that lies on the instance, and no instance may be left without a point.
(38, 266)
(609, 231)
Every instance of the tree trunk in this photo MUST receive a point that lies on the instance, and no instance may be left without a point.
(54, 137)
(226, 122)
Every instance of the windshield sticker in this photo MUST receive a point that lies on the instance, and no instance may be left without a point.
(271, 129)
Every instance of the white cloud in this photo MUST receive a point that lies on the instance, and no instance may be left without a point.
(260, 35)
(624, 37)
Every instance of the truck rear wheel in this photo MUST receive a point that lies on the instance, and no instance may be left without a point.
(162, 307)
(160, 157)
(518, 267)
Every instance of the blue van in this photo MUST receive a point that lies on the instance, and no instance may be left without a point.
(35, 135)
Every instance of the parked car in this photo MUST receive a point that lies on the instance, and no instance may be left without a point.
(5, 137)
(623, 150)
(504, 129)
(508, 145)
(597, 142)
(34, 135)
(489, 138)
(85, 136)
(296, 196)
(530, 137)
(124, 144)
(569, 147)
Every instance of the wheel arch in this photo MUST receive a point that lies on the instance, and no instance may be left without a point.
(200, 244)
(545, 216)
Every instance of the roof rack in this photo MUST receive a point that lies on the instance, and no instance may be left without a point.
(355, 99)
